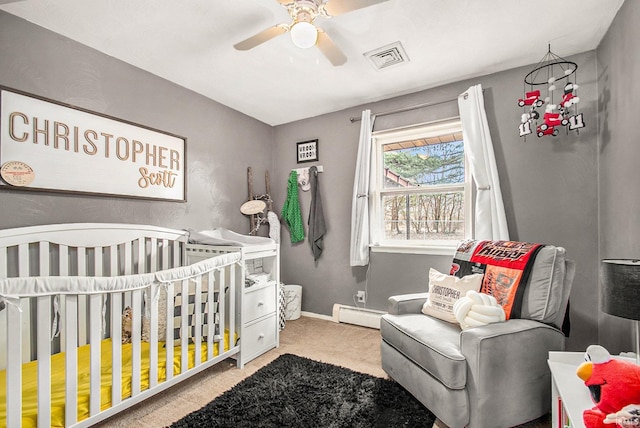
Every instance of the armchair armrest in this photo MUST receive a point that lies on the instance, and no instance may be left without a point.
(407, 303)
(507, 362)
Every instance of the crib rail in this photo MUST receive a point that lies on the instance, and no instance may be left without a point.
(83, 249)
(204, 319)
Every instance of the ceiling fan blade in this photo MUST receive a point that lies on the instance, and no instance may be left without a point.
(330, 50)
(337, 7)
(261, 37)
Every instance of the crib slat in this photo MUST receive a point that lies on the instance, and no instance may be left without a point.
(136, 327)
(23, 260)
(127, 259)
(222, 285)
(197, 313)
(81, 258)
(169, 331)
(43, 343)
(98, 265)
(153, 336)
(95, 312)
(3, 345)
(44, 360)
(128, 266)
(3, 317)
(82, 302)
(153, 262)
(112, 271)
(116, 348)
(210, 314)
(44, 269)
(44, 259)
(153, 320)
(232, 281)
(3, 324)
(63, 267)
(3, 262)
(14, 372)
(222, 305)
(25, 306)
(113, 261)
(184, 326)
(165, 255)
(178, 254)
(142, 255)
(63, 260)
(71, 359)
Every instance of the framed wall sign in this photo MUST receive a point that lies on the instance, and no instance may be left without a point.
(50, 146)
(307, 151)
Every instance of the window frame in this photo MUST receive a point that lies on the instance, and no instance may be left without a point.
(418, 131)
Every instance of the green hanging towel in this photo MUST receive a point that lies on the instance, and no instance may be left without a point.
(291, 209)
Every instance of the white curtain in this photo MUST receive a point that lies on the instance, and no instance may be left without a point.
(360, 233)
(490, 218)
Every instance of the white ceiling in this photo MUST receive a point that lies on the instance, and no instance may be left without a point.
(190, 42)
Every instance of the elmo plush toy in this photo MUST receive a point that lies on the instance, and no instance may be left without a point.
(613, 384)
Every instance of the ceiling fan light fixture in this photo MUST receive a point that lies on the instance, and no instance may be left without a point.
(304, 34)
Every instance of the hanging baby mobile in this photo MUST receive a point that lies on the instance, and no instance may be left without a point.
(561, 108)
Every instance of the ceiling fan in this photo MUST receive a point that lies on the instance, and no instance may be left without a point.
(304, 32)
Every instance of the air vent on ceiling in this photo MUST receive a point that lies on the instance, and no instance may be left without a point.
(387, 56)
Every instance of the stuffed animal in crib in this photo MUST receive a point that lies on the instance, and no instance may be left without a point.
(613, 385)
(127, 315)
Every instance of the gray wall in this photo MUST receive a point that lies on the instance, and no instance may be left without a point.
(549, 186)
(619, 175)
(221, 143)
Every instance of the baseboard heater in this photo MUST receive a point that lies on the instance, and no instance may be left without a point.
(357, 316)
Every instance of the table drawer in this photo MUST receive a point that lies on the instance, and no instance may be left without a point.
(258, 338)
(259, 302)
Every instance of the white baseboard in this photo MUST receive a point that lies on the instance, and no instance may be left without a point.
(350, 315)
(357, 316)
(314, 315)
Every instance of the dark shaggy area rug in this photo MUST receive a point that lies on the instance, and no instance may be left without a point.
(293, 391)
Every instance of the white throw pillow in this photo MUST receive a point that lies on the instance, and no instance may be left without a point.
(444, 292)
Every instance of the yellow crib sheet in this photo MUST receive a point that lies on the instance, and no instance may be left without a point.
(30, 381)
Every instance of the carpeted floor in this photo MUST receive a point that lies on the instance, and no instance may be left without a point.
(353, 347)
(296, 392)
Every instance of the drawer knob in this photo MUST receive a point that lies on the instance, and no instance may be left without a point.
(261, 303)
(261, 336)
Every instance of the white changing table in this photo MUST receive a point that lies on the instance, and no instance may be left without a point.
(258, 303)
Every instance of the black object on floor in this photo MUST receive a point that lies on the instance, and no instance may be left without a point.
(293, 391)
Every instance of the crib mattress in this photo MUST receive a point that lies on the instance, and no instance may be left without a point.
(30, 381)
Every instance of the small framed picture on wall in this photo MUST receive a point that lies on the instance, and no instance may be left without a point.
(307, 151)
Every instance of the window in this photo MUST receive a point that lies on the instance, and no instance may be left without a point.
(421, 189)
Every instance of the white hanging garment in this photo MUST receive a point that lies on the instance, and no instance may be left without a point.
(303, 180)
(274, 226)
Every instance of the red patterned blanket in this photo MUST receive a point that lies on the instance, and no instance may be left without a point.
(506, 266)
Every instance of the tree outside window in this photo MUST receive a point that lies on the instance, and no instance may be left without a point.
(422, 186)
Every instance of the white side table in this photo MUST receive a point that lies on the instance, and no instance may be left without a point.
(569, 396)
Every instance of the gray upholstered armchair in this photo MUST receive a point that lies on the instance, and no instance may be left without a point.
(494, 375)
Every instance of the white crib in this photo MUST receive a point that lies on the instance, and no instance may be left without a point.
(63, 291)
